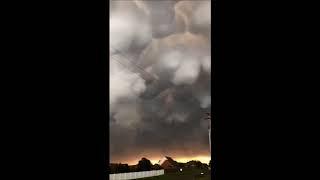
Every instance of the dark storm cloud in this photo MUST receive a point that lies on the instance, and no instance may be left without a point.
(170, 40)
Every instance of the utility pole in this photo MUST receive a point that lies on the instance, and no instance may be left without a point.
(208, 117)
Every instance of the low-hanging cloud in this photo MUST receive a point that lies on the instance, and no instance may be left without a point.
(171, 41)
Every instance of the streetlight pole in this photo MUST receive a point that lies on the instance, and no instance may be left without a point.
(208, 117)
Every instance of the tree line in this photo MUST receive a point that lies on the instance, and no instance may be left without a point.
(143, 165)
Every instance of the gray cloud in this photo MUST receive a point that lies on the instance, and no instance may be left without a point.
(171, 41)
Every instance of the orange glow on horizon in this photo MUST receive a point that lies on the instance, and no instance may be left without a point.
(203, 159)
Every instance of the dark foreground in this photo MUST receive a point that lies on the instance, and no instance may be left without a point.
(194, 174)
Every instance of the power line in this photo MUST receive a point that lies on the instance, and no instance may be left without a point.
(146, 75)
(119, 57)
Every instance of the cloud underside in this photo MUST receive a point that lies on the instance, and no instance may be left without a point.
(168, 42)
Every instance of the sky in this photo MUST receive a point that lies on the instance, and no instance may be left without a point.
(160, 87)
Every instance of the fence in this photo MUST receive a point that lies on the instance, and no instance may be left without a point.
(136, 175)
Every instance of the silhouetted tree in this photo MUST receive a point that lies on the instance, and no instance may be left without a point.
(120, 168)
(144, 165)
(124, 168)
(156, 167)
(181, 165)
(198, 164)
(133, 168)
(113, 168)
(195, 164)
(210, 164)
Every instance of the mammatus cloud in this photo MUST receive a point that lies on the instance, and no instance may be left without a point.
(171, 41)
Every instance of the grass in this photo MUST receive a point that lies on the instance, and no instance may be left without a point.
(194, 174)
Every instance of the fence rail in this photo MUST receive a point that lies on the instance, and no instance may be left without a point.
(136, 175)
